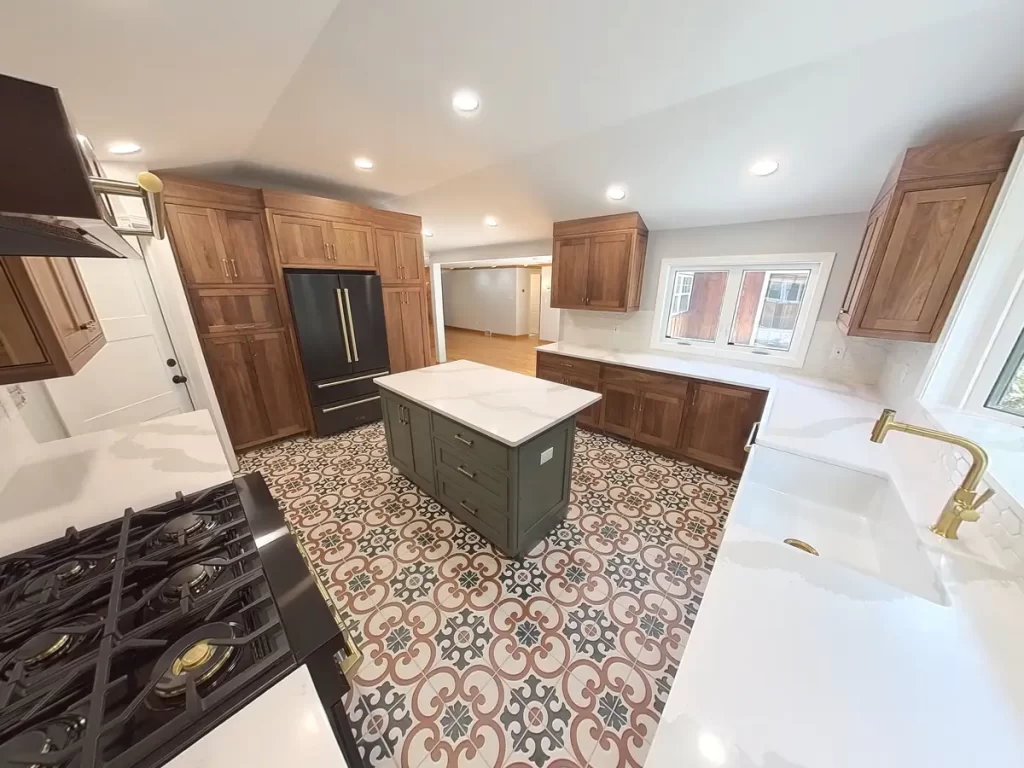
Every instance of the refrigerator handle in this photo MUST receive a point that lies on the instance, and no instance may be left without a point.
(351, 326)
(344, 328)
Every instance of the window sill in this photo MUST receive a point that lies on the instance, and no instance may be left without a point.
(729, 354)
(1002, 441)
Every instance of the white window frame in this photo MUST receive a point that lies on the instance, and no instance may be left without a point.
(818, 264)
(679, 310)
(1010, 329)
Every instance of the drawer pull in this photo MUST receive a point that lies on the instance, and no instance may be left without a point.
(466, 472)
(463, 440)
(467, 508)
(568, 365)
(355, 378)
(349, 405)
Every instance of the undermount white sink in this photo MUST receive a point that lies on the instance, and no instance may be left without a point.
(850, 517)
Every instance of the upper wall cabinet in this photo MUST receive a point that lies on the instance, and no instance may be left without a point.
(48, 327)
(219, 247)
(598, 263)
(921, 235)
(400, 257)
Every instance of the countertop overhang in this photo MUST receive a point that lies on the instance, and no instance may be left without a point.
(507, 406)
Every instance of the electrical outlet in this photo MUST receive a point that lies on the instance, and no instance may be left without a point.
(838, 352)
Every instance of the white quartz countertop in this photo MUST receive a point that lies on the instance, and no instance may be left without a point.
(507, 406)
(88, 479)
(802, 662)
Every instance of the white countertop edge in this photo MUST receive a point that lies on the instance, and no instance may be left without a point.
(477, 428)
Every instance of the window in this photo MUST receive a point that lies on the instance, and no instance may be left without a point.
(1007, 395)
(743, 307)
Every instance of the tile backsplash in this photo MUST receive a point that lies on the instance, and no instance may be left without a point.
(862, 362)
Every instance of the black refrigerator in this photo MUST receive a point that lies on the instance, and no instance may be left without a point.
(339, 319)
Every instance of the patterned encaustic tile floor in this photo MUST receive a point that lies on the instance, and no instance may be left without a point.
(563, 659)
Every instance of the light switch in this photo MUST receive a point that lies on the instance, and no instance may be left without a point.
(545, 457)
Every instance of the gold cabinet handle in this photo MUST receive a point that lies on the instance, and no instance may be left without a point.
(467, 508)
(344, 328)
(224, 266)
(463, 440)
(465, 472)
(234, 267)
(351, 326)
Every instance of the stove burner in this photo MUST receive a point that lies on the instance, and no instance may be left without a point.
(47, 647)
(64, 575)
(187, 525)
(197, 656)
(192, 579)
(53, 736)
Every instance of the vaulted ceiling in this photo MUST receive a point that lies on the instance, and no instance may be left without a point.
(672, 98)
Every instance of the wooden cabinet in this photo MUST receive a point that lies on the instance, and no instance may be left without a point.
(303, 242)
(921, 235)
(598, 263)
(48, 326)
(230, 310)
(217, 247)
(405, 321)
(255, 384)
(399, 257)
(353, 246)
(701, 421)
(719, 423)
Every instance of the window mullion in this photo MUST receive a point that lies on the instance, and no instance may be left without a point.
(729, 301)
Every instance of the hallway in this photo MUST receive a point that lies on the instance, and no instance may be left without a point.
(513, 354)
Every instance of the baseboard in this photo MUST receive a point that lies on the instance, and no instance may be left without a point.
(484, 333)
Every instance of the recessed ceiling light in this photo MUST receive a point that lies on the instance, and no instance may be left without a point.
(123, 148)
(427, 233)
(616, 192)
(465, 102)
(764, 167)
(363, 163)
(490, 221)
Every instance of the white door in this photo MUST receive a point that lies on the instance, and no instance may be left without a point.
(129, 380)
(534, 303)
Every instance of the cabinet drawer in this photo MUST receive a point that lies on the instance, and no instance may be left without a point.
(335, 417)
(343, 388)
(574, 365)
(486, 451)
(491, 486)
(614, 374)
(464, 505)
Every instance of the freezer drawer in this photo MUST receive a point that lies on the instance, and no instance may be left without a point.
(329, 391)
(335, 417)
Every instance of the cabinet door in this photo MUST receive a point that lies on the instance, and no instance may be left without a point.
(275, 379)
(413, 328)
(399, 433)
(71, 314)
(618, 409)
(410, 257)
(569, 267)
(925, 256)
(591, 416)
(422, 442)
(868, 244)
(303, 242)
(608, 270)
(19, 344)
(245, 246)
(231, 370)
(659, 420)
(718, 422)
(394, 303)
(353, 246)
(196, 236)
(388, 259)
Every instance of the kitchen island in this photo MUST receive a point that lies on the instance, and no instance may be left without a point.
(492, 446)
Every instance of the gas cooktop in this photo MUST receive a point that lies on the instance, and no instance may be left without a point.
(119, 644)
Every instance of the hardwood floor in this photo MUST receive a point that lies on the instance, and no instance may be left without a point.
(516, 354)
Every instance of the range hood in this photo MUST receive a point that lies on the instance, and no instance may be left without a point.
(53, 195)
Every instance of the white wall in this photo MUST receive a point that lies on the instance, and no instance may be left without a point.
(522, 301)
(481, 299)
(524, 250)
(550, 319)
(1019, 125)
(863, 359)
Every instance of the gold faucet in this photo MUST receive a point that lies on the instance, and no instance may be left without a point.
(963, 505)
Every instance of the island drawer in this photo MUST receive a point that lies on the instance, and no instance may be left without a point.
(574, 365)
(485, 450)
(491, 485)
(468, 508)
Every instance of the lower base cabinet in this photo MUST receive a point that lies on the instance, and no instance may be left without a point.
(512, 496)
(700, 421)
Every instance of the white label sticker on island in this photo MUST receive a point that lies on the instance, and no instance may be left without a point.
(546, 456)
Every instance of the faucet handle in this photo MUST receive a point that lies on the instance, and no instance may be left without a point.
(983, 497)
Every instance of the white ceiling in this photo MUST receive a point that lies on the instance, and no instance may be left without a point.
(672, 98)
